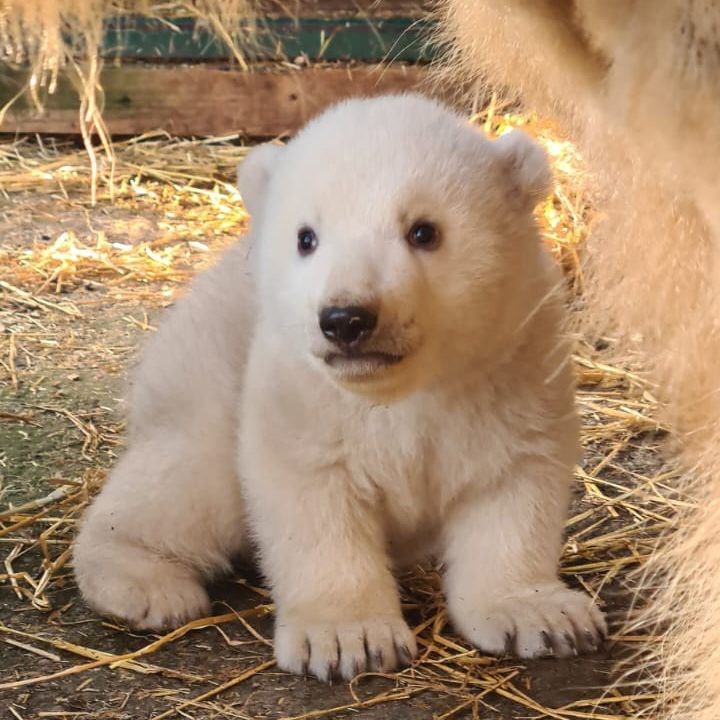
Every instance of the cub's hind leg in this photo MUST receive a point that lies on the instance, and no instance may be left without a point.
(169, 517)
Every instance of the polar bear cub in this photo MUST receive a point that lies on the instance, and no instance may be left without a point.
(376, 376)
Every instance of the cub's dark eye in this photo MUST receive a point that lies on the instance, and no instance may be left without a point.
(307, 241)
(424, 235)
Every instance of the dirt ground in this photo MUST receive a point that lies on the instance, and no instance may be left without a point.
(73, 310)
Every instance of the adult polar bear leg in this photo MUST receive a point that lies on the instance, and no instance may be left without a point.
(502, 547)
(171, 513)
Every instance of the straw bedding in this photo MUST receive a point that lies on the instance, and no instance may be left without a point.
(54, 36)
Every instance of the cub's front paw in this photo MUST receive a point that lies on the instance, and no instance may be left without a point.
(537, 622)
(343, 648)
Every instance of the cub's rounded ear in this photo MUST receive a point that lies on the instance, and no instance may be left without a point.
(527, 167)
(253, 175)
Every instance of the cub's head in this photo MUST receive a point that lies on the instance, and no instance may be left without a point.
(394, 244)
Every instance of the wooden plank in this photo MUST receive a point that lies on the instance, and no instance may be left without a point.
(364, 38)
(205, 100)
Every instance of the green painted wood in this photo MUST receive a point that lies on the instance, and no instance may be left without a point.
(368, 39)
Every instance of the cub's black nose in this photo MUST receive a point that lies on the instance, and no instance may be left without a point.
(347, 326)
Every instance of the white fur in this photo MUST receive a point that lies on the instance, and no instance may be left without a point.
(464, 449)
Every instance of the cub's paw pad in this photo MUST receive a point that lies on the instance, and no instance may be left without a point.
(542, 622)
(330, 650)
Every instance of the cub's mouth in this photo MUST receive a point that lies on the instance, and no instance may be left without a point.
(356, 364)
